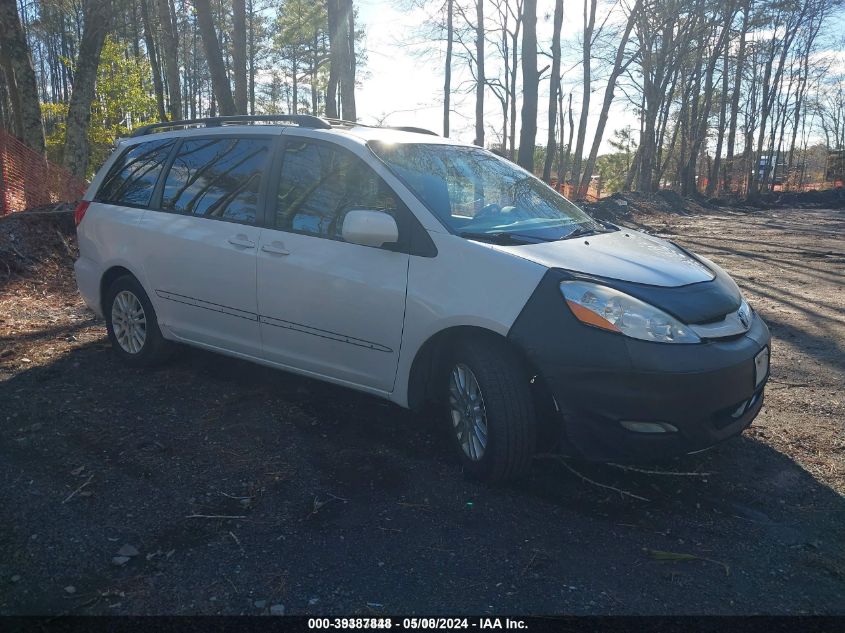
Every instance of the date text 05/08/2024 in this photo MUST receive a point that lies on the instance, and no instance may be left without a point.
(417, 623)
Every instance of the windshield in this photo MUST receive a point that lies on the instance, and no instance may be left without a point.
(480, 195)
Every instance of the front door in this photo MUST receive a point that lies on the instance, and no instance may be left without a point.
(326, 306)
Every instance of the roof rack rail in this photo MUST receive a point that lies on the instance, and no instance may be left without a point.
(401, 128)
(346, 122)
(302, 120)
(411, 128)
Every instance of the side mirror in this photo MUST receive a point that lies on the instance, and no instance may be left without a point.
(369, 228)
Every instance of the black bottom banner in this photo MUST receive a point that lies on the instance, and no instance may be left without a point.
(535, 624)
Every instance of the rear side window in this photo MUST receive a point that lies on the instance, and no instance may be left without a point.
(319, 184)
(217, 178)
(133, 176)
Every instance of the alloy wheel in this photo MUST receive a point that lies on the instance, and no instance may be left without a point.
(469, 418)
(129, 322)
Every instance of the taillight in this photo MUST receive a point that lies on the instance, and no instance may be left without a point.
(79, 212)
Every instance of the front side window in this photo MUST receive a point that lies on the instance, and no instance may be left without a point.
(133, 176)
(217, 178)
(319, 184)
(478, 194)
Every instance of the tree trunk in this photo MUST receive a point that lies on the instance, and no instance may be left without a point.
(589, 26)
(333, 12)
(645, 166)
(315, 65)
(618, 69)
(219, 80)
(295, 84)
(561, 165)
(737, 84)
(713, 184)
(554, 86)
(155, 68)
(347, 60)
(530, 81)
(169, 45)
(98, 18)
(480, 79)
(447, 70)
(514, 67)
(701, 118)
(28, 106)
(251, 22)
(14, 97)
(239, 55)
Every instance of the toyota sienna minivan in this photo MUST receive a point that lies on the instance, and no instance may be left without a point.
(420, 270)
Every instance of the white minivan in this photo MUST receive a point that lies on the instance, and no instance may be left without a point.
(420, 270)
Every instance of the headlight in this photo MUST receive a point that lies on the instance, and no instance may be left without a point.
(744, 313)
(609, 309)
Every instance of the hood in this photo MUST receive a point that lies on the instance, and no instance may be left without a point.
(624, 255)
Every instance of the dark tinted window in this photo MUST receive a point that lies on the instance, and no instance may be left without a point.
(217, 178)
(320, 183)
(133, 177)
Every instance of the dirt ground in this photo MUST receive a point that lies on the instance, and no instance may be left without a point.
(341, 503)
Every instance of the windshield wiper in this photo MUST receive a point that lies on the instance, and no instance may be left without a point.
(502, 237)
(580, 232)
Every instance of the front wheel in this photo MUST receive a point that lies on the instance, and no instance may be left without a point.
(490, 411)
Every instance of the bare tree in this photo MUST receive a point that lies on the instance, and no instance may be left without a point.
(587, 44)
(447, 70)
(480, 78)
(530, 86)
(619, 67)
(554, 87)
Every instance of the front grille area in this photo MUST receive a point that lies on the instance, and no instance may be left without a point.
(729, 326)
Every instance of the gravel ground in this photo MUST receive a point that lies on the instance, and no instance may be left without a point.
(340, 503)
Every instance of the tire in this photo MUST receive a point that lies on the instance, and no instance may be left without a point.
(147, 347)
(503, 399)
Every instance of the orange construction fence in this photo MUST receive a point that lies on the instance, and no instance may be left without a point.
(571, 192)
(27, 179)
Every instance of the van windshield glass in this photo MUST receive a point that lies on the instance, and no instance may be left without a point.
(480, 195)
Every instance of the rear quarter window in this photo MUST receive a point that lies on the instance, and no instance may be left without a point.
(132, 178)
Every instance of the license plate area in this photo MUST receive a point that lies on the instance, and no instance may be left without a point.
(761, 366)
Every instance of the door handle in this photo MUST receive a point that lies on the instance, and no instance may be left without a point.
(276, 248)
(241, 240)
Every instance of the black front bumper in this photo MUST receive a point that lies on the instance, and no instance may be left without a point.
(708, 391)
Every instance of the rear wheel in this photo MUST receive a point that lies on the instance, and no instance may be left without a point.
(490, 411)
(132, 325)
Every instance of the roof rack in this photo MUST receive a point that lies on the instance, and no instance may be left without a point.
(302, 120)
